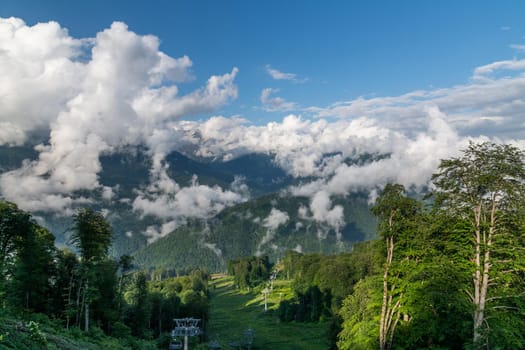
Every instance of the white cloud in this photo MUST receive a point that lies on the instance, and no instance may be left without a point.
(167, 201)
(40, 73)
(121, 93)
(153, 233)
(272, 104)
(323, 211)
(329, 152)
(278, 75)
(275, 219)
(518, 47)
(512, 65)
(491, 104)
(302, 147)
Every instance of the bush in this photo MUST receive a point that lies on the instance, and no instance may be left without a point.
(35, 333)
(120, 330)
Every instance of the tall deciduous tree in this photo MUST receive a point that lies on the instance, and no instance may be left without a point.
(92, 237)
(484, 188)
(140, 299)
(396, 213)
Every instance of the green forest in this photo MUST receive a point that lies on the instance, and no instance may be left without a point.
(446, 271)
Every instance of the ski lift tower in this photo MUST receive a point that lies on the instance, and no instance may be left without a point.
(265, 292)
(186, 327)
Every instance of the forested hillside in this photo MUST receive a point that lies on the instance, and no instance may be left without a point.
(241, 231)
(206, 242)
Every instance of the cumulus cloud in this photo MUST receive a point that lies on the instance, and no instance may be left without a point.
(198, 201)
(302, 147)
(410, 161)
(94, 95)
(500, 65)
(40, 73)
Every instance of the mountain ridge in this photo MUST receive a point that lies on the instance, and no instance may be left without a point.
(231, 232)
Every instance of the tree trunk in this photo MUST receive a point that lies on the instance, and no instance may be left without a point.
(481, 283)
(477, 274)
(78, 312)
(68, 304)
(386, 308)
(86, 307)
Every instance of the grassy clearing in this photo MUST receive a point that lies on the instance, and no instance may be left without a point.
(232, 312)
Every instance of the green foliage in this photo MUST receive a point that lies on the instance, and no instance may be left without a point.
(139, 298)
(482, 191)
(15, 225)
(36, 334)
(439, 314)
(27, 254)
(91, 234)
(249, 271)
(360, 313)
(39, 332)
(334, 275)
(309, 306)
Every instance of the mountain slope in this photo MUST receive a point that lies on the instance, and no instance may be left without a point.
(237, 231)
(244, 230)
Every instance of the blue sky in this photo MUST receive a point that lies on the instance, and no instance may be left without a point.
(339, 50)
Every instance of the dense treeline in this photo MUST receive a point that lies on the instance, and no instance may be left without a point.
(250, 271)
(444, 273)
(321, 282)
(88, 290)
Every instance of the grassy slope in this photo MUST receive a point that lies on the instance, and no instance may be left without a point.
(233, 312)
